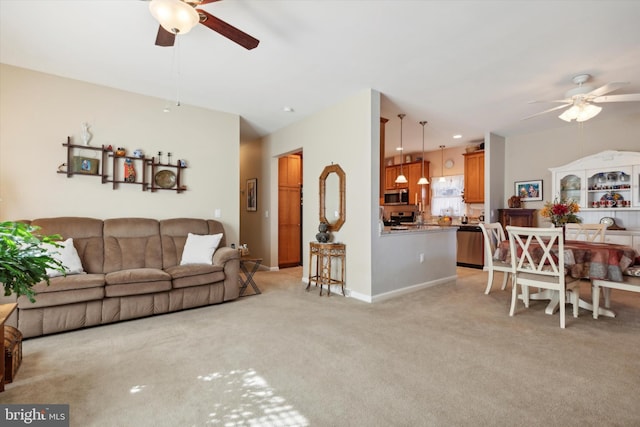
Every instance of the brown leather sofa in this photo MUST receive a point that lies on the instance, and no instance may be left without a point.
(132, 269)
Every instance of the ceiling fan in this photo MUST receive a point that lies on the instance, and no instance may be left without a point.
(180, 16)
(582, 98)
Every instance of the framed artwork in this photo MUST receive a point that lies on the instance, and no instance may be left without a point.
(85, 165)
(529, 191)
(252, 194)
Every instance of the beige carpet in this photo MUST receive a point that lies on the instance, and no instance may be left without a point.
(443, 356)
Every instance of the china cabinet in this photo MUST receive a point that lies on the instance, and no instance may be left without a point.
(607, 180)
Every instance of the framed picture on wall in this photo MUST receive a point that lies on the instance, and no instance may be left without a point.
(529, 191)
(252, 194)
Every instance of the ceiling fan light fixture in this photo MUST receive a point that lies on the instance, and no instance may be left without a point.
(580, 113)
(174, 16)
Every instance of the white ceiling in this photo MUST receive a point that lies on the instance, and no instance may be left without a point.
(467, 67)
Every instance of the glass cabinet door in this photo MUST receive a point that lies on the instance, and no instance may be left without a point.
(571, 186)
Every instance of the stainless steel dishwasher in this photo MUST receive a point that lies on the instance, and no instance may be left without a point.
(470, 252)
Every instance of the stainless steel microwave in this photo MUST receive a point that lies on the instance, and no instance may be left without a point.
(396, 197)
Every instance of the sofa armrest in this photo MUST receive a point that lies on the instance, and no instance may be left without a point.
(229, 258)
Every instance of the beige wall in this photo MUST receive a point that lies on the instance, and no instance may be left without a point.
(38, 111)
(530, 156)
(254, 226)
(342, 134)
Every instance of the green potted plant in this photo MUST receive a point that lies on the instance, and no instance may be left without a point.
(23, 259)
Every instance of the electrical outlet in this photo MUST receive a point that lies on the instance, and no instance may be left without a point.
(217, 213)
(421, 258)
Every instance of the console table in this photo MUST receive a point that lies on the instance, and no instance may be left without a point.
(324, 255)
(517, 217)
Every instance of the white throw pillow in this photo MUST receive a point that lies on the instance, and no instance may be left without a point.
(199, 248)
(67, 255)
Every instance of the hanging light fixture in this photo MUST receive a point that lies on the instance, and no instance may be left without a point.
(401, 179)
(442, 178)
(423, 180)
(175, 16)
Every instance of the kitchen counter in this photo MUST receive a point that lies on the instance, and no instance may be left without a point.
(414, 228)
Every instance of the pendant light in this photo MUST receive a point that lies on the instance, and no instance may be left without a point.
(401, 179)
(442, 179)
(423, 180)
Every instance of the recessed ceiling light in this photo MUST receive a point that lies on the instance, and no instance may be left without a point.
(287, 109)
(458, 136)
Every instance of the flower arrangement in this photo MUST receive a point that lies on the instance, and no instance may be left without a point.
(561, 211)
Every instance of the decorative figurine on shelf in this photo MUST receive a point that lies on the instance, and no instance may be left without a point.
(159, 156)
(86, 135)
(120, 152)
(323, 236)
(169, 156)
(129, 171)
(182, 163)
(138, 153)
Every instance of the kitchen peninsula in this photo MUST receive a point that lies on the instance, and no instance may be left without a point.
(411, 257)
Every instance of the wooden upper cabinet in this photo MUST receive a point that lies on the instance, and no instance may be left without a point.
(474, 177)
(413, 175)
(289, 170)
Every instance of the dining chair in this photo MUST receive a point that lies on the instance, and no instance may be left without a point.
(493, 234)
(588, 232)
(630, 283)
(537, 259)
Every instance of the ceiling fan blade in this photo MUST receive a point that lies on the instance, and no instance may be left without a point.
(561, 101)
(546, 111)
(618, 98)
(164, 37)
(199, 2)
(227, 30)
(609, 87)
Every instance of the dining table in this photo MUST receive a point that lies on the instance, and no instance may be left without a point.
(583, 260)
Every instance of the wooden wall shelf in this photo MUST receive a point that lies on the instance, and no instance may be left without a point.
(147, 180)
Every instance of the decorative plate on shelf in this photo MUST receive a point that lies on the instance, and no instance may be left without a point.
(616, 197)
(165, 179)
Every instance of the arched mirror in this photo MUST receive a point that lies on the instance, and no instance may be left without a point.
(332, 197)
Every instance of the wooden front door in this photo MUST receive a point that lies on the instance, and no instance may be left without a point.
(290, 211)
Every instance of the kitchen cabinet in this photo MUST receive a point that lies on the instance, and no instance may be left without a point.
(414, 172)
(607, 181)
(390, 174)
(517, 217)
(474, 177)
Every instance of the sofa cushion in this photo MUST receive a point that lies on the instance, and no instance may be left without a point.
(131, 243)
(174, 233)
(136, 281)
(65, 290)
(199, 248)
(67, 255)
(87, 238)
(195, 275)
(70, 283)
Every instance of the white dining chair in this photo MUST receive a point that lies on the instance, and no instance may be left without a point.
(493, 234)
(586, 232)
(629, 283)
(537, 258)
